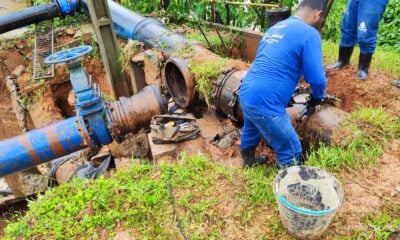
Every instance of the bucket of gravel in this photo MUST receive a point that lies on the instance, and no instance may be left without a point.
(308, 199)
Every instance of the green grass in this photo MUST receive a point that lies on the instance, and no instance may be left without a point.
(383, 224)
(137, 200)
(385, 58)
(205, 73)
(212, 201)
(365, 137)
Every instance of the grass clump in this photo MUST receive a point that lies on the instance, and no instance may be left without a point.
(79, 208)
(205, 73)
(383, 225)
(209, 200)
(367, 133)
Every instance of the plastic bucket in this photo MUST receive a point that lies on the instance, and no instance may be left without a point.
(308, 199)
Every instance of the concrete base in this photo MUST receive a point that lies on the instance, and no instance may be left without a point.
(162, 151)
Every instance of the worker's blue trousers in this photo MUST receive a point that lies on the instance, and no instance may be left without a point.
(278, 131)
(360, 24)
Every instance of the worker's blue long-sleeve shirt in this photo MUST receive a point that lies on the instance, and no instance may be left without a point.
(288, 50)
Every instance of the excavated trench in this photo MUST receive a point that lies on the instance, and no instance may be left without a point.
(55, 103)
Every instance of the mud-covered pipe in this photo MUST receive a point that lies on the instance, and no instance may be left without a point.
(319, 127)
(29, 16)
(129, 115)
(179, 78)
(40, 146)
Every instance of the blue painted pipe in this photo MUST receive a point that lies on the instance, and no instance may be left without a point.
(39, 146)
(28, 16)
(130, 25)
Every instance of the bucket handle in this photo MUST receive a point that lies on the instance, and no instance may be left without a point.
(285, 202)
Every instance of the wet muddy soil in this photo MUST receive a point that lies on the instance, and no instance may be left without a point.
(369, 190)
(376, 91)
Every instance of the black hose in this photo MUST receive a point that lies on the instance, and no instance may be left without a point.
(28, 16)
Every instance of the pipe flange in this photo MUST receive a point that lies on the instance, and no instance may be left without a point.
(67, 7)
(82, 127)
(221, 100)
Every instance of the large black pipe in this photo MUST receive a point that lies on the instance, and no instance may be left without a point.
(29, 16)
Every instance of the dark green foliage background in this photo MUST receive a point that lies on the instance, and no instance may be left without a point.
(179, 10)
(389, 32)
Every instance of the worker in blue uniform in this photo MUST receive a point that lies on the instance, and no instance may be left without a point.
(360, 26)
(289, 49)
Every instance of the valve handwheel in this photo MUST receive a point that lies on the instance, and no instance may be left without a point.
(68, 55)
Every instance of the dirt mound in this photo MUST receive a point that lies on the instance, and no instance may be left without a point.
(375, 91)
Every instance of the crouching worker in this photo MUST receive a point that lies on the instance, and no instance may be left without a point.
(289, 49)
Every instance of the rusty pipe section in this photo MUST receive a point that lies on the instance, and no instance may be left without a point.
(179, 81)
(177, 74)
(129, 115)
(320, 127)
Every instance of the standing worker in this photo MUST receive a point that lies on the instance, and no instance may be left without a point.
(360, 26)
(287, 50)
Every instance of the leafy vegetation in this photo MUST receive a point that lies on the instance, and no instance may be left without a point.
(211, 201)
(333, 23)
(205, 72)
(385, 224)
(241, 16)
(76, 20)
(138, 201)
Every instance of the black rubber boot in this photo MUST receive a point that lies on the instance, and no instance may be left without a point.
(344, 58)
(396, 83)
(250, 159)
(363, 65)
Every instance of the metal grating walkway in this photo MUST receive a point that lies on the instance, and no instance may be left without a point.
(44, 46)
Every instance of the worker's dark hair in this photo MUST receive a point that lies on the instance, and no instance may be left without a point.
(314, 4)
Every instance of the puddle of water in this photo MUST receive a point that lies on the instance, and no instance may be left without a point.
(8, 6)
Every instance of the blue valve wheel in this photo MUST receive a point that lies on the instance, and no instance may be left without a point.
(68, 55)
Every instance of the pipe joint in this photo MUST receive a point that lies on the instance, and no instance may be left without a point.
(89, 108)
(67, 7)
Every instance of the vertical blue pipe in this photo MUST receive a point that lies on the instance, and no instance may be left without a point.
(39, 146)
